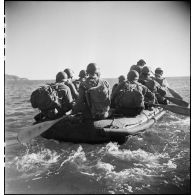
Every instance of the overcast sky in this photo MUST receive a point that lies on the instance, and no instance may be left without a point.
(45, 37)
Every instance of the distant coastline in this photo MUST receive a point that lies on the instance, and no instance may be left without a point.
(17, 78)
(14, 78)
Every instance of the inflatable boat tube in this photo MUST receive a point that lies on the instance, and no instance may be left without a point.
(81, 130)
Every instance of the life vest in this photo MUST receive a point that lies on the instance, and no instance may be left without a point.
(98, 99)
(130, 96)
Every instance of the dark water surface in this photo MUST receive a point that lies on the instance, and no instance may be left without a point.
(156, 161)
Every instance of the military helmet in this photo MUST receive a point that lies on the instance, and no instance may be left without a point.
(159, 71)
(133, 75)
(146, 70)
(82, 73)
(91, 68)
(61, 76)
(136, 67)
(69, 72)
(141, 62)
(121, 78)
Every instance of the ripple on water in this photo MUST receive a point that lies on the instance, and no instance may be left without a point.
(149, 162)
(33, 163)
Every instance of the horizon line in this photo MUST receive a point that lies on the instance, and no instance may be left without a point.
(102, 78)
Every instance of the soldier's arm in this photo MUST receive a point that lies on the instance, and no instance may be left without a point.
(160, 89)
(165, 83)
(148, 94)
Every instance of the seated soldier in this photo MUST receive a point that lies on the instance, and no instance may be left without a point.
(82, 77)
(121, 79)
(152, 85)
(63, 100)
(64, 93)
(70, 84)
(94, 98)
(138, 67)
(130, 96)
(158, 77)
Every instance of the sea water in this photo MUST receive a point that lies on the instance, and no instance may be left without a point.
(155, 161)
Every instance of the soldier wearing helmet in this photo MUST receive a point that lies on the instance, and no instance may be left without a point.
(158, 77)
(146, 80)
(69, 73)
(87, 103)
(63, 99)
(61, 77)
(64, 92)
(121, 79)
(141, 63)
(82, 78)
(130, 96)
(138, 67)
(82, 74)
(70, 84)
(152, 85)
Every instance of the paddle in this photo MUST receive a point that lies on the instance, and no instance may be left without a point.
(174, 93)
(28, 133)
(177, 101)
(175, 109)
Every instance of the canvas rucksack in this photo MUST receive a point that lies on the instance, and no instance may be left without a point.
(130, 96)
(45, 97)
(99, 99)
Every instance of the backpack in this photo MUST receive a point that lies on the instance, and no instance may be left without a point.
(99, 99)
(45, 97)
(130, 96)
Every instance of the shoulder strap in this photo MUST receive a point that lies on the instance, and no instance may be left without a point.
(107, 84)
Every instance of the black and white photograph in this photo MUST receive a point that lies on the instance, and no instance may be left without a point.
(97, 97)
